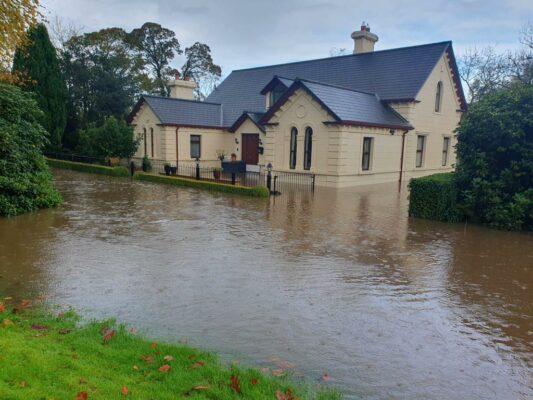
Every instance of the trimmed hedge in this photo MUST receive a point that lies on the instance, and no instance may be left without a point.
(434, 197)
(259, 191)
(91, 168)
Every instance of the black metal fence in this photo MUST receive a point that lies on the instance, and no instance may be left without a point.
(279, 180)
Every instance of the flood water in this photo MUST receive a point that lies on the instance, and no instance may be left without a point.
(339, 282)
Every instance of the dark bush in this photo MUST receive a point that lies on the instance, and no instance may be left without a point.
(434, 197)
(25, 180)
(495, 160)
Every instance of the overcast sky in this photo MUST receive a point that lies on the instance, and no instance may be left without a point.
(248, 33)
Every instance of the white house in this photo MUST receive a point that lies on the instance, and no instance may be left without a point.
(368, 117)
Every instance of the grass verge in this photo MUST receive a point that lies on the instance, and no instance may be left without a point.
(91, 168)
(259, 191)
(49, 356)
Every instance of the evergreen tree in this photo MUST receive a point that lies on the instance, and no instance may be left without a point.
(37, 61)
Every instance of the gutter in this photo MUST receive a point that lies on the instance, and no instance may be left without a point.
(401, 158)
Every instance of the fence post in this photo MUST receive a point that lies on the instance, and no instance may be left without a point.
(233, 178)
(313, 184)
(269, 181)
(197, 169)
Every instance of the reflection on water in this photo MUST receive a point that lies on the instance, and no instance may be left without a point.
(339, 282)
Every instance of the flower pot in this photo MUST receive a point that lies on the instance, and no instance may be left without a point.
(167, 169)
(216, 175)
(173, 170)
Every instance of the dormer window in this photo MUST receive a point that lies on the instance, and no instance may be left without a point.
(275, 94)
(438, 97)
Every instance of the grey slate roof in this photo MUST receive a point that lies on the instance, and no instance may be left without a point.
(396, 74)
(354, 106)
(184, 112)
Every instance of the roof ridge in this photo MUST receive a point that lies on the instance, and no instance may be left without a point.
(336, 86)
(448, 42)
(176, 99)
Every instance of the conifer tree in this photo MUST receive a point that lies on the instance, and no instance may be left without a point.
(37, 62)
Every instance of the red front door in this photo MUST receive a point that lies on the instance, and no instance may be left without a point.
(250, 148)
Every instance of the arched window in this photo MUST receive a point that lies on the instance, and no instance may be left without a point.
(145, 143)
(438, 97)
(308, 147)
(152, 141)
(294, 144)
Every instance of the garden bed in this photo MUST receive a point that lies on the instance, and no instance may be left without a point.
(91, 168)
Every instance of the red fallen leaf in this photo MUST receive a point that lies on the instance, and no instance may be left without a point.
(124, 391)
(39, 327)
(153, 345)
(24, 304)
(82, 396)
(164, 368)
(147, 359)
(108, 335)
(254, 381)
(326, 378)
(285, 396)
(198, 364)
(235, 385)
(2, 308)
(64, 331)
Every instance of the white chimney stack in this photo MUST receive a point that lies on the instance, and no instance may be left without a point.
(364, 40)
(181, 88)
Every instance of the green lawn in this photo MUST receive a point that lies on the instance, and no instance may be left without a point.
(54, 356)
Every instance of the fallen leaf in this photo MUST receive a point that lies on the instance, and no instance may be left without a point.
(183, 341)
(61, 315)
(23, 384)
(200, 387)
(64, 331)
(108, 335)
(278, 372)
(133, 331)
(82, 396)
(2, 308)
(24, 304)
(7, 322)
(168, 358)
(39, 327)
(235, 385)
(8, 298)
(326, 378)
(83, 381)
(253, 381)
(135, 368)
(192, 357)
(164, 368)
(124, 391)
(153, 345)
(198, 364)
(147, 359)
(285, 396)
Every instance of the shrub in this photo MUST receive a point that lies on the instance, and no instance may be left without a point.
(25, 180)
(434, 197)
(91, 168)
(495, 160)
(259, 191)
(113, 138)
(146, 164)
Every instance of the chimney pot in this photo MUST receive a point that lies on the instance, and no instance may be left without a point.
(364, 40)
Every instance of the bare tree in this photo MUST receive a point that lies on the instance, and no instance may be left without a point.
(336, 51)
(62, 30)
(485, 71)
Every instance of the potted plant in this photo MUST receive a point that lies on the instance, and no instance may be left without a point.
(146, 165)
(216, 173)
(173, 170)
(167, 168)
(221, 154)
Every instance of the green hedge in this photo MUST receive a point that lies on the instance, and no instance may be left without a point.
(434, 197)
(259, 191)
(92, 168)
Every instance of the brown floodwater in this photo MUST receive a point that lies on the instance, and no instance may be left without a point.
(339, 282)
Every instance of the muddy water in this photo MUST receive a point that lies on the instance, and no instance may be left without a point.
(341, 283)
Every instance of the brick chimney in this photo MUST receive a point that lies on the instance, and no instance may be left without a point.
(364, 40)
(181, 88)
